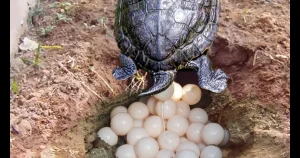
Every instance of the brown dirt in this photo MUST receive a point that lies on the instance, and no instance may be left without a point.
(56, 110)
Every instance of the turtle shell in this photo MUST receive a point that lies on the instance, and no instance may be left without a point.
(164, 34)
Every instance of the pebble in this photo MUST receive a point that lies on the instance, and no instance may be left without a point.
(46, 72)
(25, 114)
(31, 95)
(90, 138)
(44, 78)
(42, 146)
(227, 18)
(46, 113)
(273, 115)
(24, 127)
(35, 117)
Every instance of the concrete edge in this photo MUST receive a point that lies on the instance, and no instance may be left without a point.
(18, 21)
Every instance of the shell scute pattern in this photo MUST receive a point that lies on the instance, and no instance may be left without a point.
(138, 17)
(163, 34)
(150, 22)
(141, 42)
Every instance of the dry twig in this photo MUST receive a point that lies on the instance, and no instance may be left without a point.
(75, 77)
(92, 69)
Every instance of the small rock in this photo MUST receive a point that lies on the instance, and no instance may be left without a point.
(46, 113)
(35, 117)
(25, 124)
(90, 138)
(34, 94)
(15, 129)
(44, 78)
(287, 111)
(44, 106)
(17, 64)
(28, 44)
(267, 20)
(24, 127)
(39, 112)
(273, 115)
(25, 114)
(227, 18)
(46, 72)
(42, 146)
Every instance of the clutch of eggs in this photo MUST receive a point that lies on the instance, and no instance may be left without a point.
(164, 126)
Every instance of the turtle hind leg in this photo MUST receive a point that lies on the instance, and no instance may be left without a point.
(215, 81)
(126, 70)
(162, 80)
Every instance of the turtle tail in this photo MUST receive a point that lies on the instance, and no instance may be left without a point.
(162, 80)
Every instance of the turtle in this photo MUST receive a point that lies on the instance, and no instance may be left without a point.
(166, 36)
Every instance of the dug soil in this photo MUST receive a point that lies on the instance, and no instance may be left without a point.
(56, 96)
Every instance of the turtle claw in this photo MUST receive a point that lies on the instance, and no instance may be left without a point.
(215, 81)
(126, 70)
(162, 80)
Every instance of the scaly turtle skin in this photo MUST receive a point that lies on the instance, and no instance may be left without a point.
(164, 36)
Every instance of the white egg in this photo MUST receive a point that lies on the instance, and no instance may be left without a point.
(188, 145)
(107, 135)
(211, 152)
(177, 92)
(135, 134)
(138, 110)
(183, 139)
(178, 124)
(194, 132)
(225, 139)
(138, 123)
(191, 94)
(201, 146)
(166, 109)
(153, 125)
(187, 154)
(146, 148)
(165, 153)
(126, 151)
(166, 94)
(183, 109)
(151, 103)
(168, 140)
(212, 134)
(121, 123)
(118, 109)
(198, 115)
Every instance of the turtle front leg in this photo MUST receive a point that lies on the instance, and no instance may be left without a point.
(215, 81)
(126, 70)
(162, 80)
